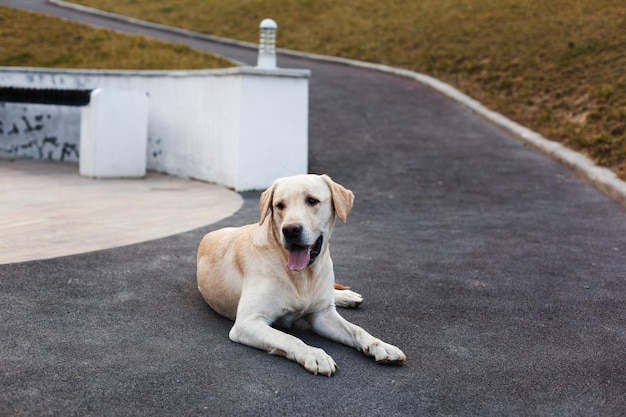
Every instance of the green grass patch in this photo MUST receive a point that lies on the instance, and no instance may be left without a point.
(35, 40)
(558, 66)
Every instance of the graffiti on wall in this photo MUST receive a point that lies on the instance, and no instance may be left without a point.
(39, 132)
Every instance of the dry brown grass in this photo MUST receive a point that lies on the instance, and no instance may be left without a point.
(558, 66)
(34, 40)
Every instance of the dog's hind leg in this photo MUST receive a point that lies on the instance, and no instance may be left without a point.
(346, 298)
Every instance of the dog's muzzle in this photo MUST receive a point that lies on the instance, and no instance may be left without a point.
(300, 256)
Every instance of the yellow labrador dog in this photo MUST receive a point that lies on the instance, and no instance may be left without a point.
(279, 270)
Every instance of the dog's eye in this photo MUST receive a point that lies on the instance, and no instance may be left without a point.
(312, 201)
(280, 206)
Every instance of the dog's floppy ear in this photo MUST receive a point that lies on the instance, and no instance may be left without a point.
(265, 203)
(342, 198)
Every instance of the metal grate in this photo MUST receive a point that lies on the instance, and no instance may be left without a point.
(45, 96)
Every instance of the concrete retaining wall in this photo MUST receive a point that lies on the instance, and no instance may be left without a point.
(240, 127)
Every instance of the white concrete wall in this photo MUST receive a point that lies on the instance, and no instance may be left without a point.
(240, 127)
(113, 134)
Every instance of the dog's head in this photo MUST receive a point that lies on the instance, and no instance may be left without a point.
(302, 210)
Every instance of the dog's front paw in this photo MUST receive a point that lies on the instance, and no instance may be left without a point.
(385, 353)
(347, 299)
(316, 361)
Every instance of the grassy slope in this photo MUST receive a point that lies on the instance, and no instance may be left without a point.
(32, 40)
(558, 66)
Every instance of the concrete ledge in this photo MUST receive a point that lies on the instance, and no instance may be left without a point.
(113, 128)
(221, 126)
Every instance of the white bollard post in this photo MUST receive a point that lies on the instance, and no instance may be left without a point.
(267, 44)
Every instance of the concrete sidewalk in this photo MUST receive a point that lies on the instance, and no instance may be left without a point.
(48, 210)
(498, 272)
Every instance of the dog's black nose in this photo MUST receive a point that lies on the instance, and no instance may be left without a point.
(292, 231)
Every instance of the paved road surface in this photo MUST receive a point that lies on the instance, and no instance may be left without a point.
(500, 275)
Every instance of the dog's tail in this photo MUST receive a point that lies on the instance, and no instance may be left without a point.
(339, 286)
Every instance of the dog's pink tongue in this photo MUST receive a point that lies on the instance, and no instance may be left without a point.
(299, 258)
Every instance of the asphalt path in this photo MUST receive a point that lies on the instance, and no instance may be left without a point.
(499, 273)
